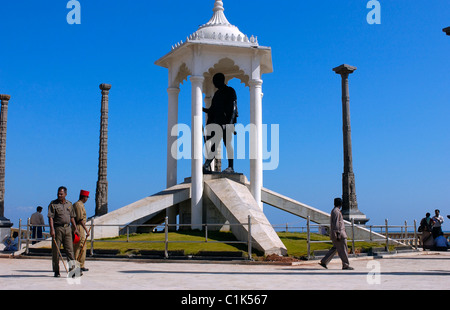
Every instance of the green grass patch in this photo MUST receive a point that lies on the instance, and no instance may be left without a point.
(193, 242)
(296, 244)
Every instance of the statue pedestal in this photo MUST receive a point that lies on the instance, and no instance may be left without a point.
(358, 217)
(210, 213)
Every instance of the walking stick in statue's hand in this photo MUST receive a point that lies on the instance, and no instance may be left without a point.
(59, 254)
(82, 247)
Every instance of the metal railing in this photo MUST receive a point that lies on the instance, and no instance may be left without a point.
(402, 237)
(25, 235)
(405, 234)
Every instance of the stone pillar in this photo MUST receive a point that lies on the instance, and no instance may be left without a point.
(197, 152)
(5, 223)
(101, 193)
(349, 203)
(256, 160)
(172, 163)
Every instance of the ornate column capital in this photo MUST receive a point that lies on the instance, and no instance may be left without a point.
(197, 78)
(5, 98)
(255, 82)
(173, 90)
(105, 87)
(344, 69)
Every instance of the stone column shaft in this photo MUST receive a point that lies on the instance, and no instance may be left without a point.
(101, 193)
(197, 152)
(3, 124)
(172, 163)
(256, 160)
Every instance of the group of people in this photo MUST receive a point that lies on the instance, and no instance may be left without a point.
(68, 227)
(432, 235)
(37, 227)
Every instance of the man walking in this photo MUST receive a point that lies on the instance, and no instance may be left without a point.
(60, 215)
(338, 236)
(80, 220)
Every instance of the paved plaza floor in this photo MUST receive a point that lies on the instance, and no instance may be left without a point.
(409, 271)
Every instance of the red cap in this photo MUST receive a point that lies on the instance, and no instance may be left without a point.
(76, 238)
(84, 193)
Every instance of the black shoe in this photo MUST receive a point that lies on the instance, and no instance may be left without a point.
(228, 170)
(84, 269)
(323, 265)
(347, 268)
(57, 275)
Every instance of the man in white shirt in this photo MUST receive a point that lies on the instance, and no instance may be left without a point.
(438, 220)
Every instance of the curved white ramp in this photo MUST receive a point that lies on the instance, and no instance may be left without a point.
(140, 209)
(316, 216)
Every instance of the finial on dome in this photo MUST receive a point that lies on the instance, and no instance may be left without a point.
(218, 17)
(218, 6)
(218, 28)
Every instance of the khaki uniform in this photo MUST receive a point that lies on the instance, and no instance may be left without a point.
(61, 213)
(337, 227)
(80, 217)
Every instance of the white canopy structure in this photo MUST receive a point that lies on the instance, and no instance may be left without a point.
(216, 46)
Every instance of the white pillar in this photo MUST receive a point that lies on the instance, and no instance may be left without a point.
(197, 152)
(171, 158)
(256, 162)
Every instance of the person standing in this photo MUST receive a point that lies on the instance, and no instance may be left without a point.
(60, 215)
(37, 224)
(426, 228)
(80, 220)
(438, 220)
(338, 236)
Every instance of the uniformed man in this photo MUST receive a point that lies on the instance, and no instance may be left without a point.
(338, 236)
(80, 220)
(60, 215)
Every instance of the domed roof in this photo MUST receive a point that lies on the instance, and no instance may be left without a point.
(219, 30)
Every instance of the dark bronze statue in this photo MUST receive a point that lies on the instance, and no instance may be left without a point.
(223, 112)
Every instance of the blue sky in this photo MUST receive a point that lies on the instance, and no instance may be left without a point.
(399, 100)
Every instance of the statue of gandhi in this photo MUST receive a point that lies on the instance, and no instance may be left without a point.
(223, 112)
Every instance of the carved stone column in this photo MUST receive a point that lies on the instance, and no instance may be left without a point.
(5, 223)
(101, 193)
(349, 204)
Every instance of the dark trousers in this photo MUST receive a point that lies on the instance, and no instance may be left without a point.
(436, 231)
(227, 142)
(36, 233)
(62, 235)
